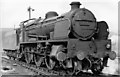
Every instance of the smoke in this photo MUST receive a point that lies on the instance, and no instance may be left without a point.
(113, 64)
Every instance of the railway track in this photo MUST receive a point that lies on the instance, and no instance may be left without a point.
(44, 71)
(33, 68)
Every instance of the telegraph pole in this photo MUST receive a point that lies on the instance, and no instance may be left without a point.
(29, 10)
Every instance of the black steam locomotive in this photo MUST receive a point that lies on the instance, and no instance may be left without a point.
(73, 41)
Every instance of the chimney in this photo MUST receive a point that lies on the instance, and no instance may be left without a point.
(75, 5)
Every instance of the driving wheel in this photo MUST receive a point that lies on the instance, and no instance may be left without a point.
(38, 60)
(28, 56)
(49, 62)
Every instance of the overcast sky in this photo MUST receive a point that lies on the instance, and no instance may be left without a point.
(12, 12)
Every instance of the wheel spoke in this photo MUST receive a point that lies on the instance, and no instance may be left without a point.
(38, 60)
(28, 57)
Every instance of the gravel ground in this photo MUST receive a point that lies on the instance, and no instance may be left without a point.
(14, 69)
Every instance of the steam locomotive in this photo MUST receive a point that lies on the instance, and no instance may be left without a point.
(73, 41)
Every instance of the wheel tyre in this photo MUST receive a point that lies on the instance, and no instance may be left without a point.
(71, 71)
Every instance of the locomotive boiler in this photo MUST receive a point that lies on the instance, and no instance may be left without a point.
(74, 41)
